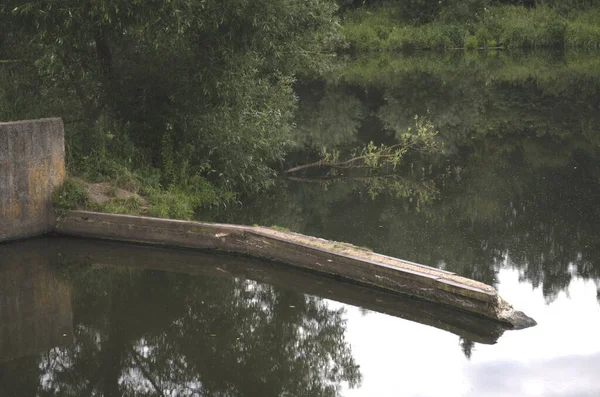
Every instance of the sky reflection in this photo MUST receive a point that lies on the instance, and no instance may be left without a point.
(559, 357)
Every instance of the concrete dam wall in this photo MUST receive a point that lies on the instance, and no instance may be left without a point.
(32, 164)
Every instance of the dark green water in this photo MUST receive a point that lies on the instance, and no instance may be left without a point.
(517, 181)
(512, 200)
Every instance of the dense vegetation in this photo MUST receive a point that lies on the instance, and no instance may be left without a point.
(187, 102)
(193, 105)
(452, 24)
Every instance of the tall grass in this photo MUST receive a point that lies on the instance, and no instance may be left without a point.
(105, 154)
(584, 29)
(520, 27)
(379, 29)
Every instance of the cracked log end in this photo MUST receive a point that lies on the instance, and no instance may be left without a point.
(516, 318)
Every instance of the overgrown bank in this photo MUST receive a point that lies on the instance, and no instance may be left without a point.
(387, 27)
(187, 103)
(191, 105)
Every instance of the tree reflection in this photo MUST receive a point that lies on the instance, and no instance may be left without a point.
(517, 186)
(467, 347)
(148, 333)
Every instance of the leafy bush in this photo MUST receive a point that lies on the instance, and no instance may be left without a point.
(172, 204)
(167, 96)
(70, 195)
(519, 27)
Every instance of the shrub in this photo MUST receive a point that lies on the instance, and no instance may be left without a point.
(70, 195)
(172, 204)
(520, 27)
(471, 43)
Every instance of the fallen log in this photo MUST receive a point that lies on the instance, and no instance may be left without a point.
(310, 253)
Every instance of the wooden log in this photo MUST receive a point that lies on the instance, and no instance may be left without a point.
(305, 252)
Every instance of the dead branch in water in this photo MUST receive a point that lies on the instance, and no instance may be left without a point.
(376, 156)
(346, 164)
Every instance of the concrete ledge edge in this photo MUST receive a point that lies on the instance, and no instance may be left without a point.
(314, 254)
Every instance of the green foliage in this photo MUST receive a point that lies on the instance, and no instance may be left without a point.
(130, 205)
(471, 43)
(169, 96)
(280, 228)
(429, 36)
(509, 26)
(168, 159)
(69, 195)
(519, 27)
(172, 204)
(584, 29)
(378, 30)
(374, 156)
(449, 11)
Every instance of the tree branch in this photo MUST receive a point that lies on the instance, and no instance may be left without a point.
(338, 177)
(145, 373)
(346, 164)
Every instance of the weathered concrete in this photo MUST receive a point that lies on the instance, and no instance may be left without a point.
(32, 164)
(316, 255)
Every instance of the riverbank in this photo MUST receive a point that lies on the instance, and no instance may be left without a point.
(553, 68)
(131, 196)
(382, 29)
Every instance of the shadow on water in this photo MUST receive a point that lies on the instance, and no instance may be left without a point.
(88, 315)
(136, 329)
(35, 310)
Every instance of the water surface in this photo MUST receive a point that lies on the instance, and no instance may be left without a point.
(512, 200)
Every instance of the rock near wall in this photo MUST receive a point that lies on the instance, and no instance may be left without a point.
(32, 164)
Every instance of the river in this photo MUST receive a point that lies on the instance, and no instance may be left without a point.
(511, 198)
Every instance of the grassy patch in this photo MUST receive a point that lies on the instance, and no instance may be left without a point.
(280, 228)
(377, 29)
(380, 29)
(130, 205)
(117, 162)
(70, 195)
(172, 204)
(520, 27)
(584, 30)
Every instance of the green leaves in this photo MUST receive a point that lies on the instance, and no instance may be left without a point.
(219, 73)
